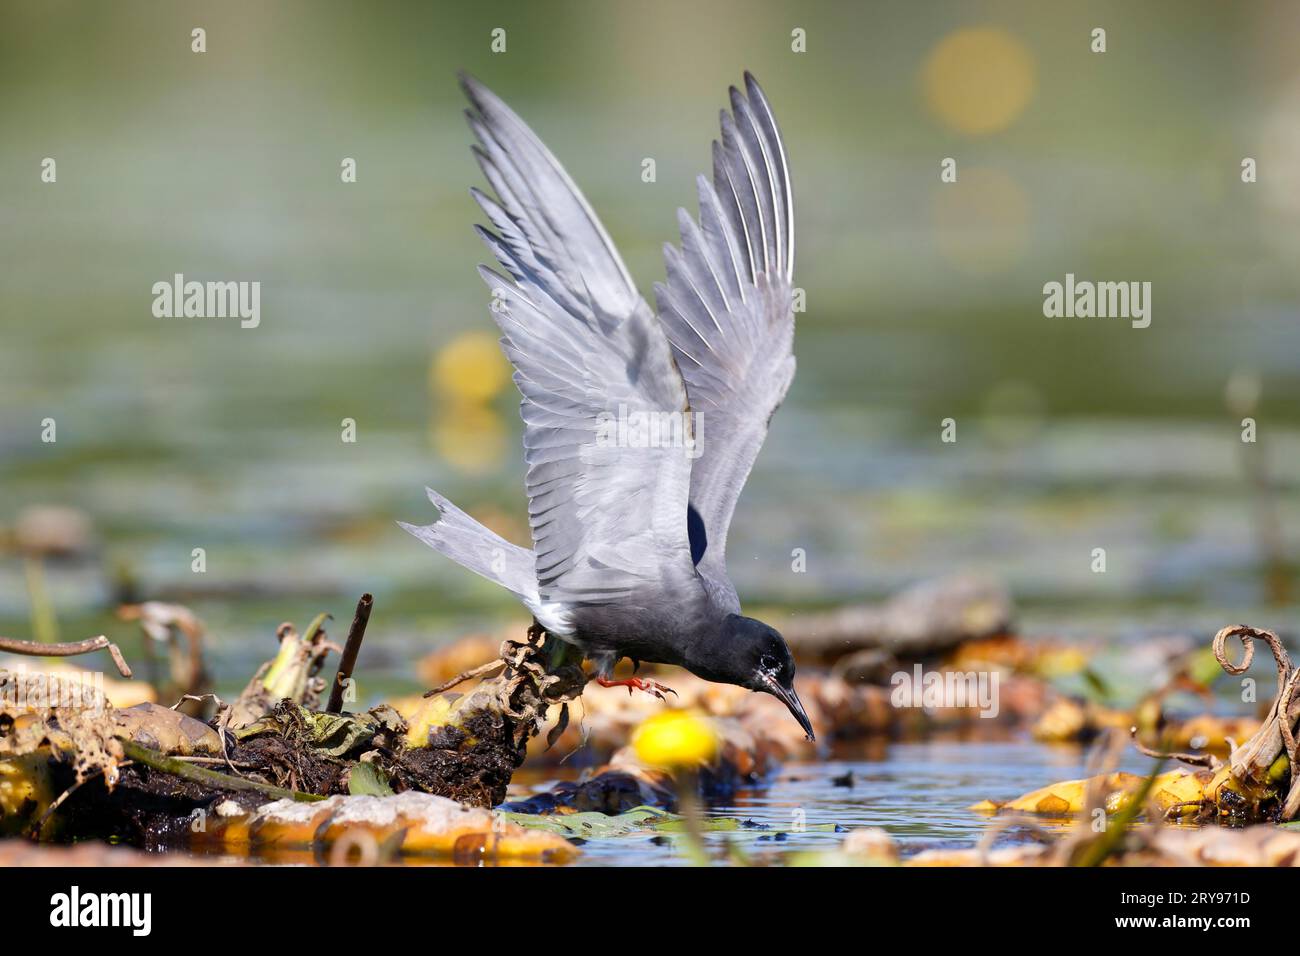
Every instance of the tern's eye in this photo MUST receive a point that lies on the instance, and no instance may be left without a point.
(769, 663)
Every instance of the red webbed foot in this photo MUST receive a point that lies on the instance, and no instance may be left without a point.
(638, 683)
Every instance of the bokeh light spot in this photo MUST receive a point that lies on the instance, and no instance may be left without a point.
(675, 738)
(472, 438)
(979, 80)
(981, 221)
(470, 368)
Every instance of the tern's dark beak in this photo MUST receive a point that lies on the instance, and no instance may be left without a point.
(788, 697)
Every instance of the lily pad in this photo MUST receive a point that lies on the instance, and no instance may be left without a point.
(594, 825)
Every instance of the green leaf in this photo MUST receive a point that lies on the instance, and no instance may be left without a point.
(1096, 686)
(367, 780)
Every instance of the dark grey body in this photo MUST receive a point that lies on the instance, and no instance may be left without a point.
(663, 632)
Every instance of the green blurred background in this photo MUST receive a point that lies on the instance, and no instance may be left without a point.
(924, 300)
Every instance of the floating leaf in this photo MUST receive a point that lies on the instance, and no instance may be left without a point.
(591, 825)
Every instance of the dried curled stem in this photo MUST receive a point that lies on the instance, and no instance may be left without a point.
(1196, 760)
(1253, 757)
(1247, 636)
(67, 649)
(1284, 671)
(512, 654)
(480, 671)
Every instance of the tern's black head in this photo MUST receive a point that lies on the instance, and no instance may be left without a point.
(753, 655)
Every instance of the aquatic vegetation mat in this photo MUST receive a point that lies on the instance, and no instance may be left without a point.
(279, 775)
(154, 776)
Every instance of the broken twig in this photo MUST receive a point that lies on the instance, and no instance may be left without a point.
(470, 674)
(66, 649)
(356, 633)
(1196, 760)
(39, 825)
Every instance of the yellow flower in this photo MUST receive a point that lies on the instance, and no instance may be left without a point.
(675, 738)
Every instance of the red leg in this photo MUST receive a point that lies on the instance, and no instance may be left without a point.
(638, 683)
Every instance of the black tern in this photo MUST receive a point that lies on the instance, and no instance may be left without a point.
(640, 426)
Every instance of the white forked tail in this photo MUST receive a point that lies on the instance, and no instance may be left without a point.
(473, 546)
(486, 553)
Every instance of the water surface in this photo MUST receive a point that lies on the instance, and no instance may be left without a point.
(918, 792)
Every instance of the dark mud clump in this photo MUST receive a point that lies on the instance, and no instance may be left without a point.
(146, 809)
(293, 765)
(472, 763)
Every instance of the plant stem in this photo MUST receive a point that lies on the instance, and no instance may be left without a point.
(209, 778)
(1095, 852)
(692, 810)
(45, 625)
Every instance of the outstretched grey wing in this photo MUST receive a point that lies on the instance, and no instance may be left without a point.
(727, 309)
(608, 519)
